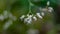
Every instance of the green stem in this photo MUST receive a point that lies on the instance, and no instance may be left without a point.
(29, 6)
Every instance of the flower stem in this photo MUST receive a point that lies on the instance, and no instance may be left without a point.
(29, 7)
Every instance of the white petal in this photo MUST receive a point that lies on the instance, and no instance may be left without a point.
(30, 16)
(48, 3)
(42, 14)
(34, 18)
(38, 15)
(50, 9)
(27, 20)
(27, 15)
(30, 20)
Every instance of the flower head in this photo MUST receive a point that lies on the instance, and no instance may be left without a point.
(50, 9)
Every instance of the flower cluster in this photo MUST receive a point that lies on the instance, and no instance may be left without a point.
(6, 14)
(29, 18)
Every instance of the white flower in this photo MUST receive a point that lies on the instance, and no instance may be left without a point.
(42, 14)
(48, 3)
(25, 20)
(1, 17)
(22, 17)
(30, 16)
(38, 15)
(28, 20)
(27, 15)
(34, 18)
(50, 9)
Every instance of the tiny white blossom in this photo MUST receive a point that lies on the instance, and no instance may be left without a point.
(22, 17)
(42, 14)
(27, 20)
(30, 16)
(50, 9)
(38, 15)
(34, 18)
(1, 17)
(27, 15)
(48, 3)
(30, 20)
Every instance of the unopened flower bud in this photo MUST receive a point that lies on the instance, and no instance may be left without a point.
(30, 16)
(34, 18)
(38, 15)
(48, 3)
